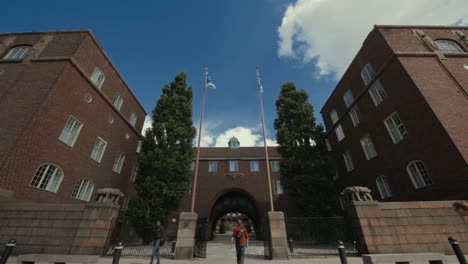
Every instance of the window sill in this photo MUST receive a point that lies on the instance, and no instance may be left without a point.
(42, 189)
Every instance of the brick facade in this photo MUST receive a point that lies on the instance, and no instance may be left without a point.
(428, 89)
(37, 96)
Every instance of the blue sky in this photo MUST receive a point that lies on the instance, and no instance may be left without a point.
(151, 41)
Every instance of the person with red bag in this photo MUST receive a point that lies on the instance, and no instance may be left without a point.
(241, 236)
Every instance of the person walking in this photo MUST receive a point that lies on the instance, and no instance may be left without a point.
(241, 236)
(157, 233)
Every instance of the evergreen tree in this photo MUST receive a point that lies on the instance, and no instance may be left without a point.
(306, 167)
(164, 172)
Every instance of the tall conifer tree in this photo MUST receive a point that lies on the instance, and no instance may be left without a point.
(306, 167)
(164, 172)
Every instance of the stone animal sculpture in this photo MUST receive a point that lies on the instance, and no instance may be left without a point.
(357, 193)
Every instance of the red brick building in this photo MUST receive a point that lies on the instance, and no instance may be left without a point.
(69, 122)
(234, 179)
(397, 121)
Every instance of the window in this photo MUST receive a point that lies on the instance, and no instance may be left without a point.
(418, 174)
(254, 165)
(134, 174)
(367, 73)
(125, 203)
(71, 131)
(377, 92)
(118, 163)
(448, 46)
(333, 116)
(17, 53)
(327, 143)
(98, 150)
(339, 133)
(138, 149)
(277, 187)
(98, 77)
(233, 165)
(368, 147)
(192, 165)
(213, 166)
(395, 128)
(48, 177)
(83, 190)
(383, 186)
(132, 119)
(355, 115)
(348, 98)
(118, 100)
(348, 160)
(275, 165)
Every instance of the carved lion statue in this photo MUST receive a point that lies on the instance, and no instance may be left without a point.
(357, 193)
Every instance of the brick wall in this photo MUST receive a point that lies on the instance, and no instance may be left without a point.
(407, 227)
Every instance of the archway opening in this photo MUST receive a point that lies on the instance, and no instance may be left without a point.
(231, 207)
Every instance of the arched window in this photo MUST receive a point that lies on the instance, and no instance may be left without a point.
(17, 53)
(447, 46)
(418, 174)
(98, 77)
(367, 73)
(383, 186)
(83, 190)
(48, 177)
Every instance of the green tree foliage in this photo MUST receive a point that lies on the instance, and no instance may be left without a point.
(164, 173)
(306, 166)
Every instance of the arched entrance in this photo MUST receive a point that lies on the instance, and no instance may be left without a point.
(235, 202)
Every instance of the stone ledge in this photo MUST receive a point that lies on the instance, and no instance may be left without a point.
(411, 258)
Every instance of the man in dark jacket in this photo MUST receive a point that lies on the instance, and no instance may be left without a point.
(157, 232)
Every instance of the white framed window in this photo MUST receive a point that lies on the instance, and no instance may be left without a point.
(333, 116)
(395, 128)
(134, 174)
(327, 143)
(348, 98)
(125, 203)
(367, 73)
(47, 177)
(418, 174)
(98, 149)
(275, 165)
(339, 133)
(348, 160)
(70, 131)
(17, 53)
(213, 166)
(98, 77)
(138, 149)
(132, 119)
(254, 166)
(377, 93)
(383, 186)
(233, 165)
(118, 100)
(192, 165)
(355, 115)
(118, 164)
(448, 46)
(83, 190)
(277, 187)
(368, 147)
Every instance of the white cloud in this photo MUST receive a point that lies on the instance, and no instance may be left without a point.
(247, 136)
(330, 32)
(147, 124)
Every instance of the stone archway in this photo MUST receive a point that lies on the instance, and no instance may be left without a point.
(235, 201)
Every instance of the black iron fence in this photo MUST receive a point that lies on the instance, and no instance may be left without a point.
(313, 236)
(122, 230)
(201, 238)
(267, 246)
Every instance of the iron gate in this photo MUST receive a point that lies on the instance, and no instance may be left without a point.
(201, 238)
(311, 236)
(122, 230)
(267, 246)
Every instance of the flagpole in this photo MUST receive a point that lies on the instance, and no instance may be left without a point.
(260, 90)
(197, 159)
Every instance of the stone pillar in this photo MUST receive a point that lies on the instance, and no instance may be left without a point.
(186, 235)
(279, 242)
(96, 222)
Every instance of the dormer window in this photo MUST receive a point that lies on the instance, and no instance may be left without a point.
(448, 46)
(98, 77)
(17, 53)
(367, 73)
